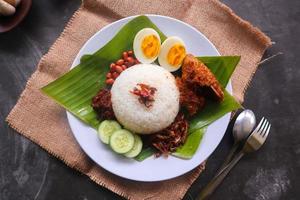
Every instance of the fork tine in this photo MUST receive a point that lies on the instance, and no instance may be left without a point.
(263, 127)
(267, 131)
(259, 125)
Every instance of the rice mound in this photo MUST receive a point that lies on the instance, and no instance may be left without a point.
(137, 117)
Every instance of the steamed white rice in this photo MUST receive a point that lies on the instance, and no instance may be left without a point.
(136, 116)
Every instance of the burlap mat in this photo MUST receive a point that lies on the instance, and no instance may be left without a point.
(44, 122)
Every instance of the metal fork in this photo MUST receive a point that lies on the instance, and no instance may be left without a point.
(253, 143)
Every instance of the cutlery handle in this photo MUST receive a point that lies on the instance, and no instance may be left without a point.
(216, 181)
(228, 158)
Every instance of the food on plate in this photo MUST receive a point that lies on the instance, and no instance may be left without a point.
(146, 45)
(102, 105)
(172, 53)
(106, 129)
(145, 94)
(133, 114)
(197, 83)
(146, 98)
(200, 78)
(142, 109)
(169, 139)
(189, 99)
(116, 68)
(121, 141)
(137, 147)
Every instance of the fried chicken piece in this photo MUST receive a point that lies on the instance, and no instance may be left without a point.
(102, 105)
(196, 74)
(189, 99)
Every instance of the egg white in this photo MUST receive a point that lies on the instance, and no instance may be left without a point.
(137, 43)
(165, 48)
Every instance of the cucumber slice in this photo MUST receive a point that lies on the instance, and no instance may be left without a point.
(136, 149)
(106, 129)
(121, 141)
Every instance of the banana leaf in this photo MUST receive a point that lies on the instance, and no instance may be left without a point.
(213, 111)
(198, 124)
(75, 89)
(222, 67)
(145, 153)
(191, 144)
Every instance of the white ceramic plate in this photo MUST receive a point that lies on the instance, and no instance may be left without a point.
(151, 169)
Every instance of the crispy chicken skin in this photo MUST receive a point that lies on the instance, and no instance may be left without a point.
(197, 75)
(189, 99)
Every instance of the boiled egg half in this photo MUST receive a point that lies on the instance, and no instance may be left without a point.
(172, 53)
(146, 45)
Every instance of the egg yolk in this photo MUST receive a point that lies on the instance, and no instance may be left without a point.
(176, 55)
(150, 46)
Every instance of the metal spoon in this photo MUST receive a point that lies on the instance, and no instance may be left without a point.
(242, 128)
(252, 144)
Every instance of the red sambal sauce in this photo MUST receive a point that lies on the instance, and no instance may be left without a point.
(102, 105)
(145, 94)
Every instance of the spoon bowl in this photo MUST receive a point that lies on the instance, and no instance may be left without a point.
(243, 125)
(242, 128)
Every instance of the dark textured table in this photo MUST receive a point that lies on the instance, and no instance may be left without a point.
(28, 172)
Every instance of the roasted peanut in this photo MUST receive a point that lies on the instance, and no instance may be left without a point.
(124, 67)
(120, 62)
(108, 75)
(130, 60)
(109, 81)
(119, 66)
(125, 55)
(114, 68)
(115, 75)
(112, 65)
(119, 69)
(130, 53)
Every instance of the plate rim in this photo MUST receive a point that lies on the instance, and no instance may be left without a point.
(70, 115)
